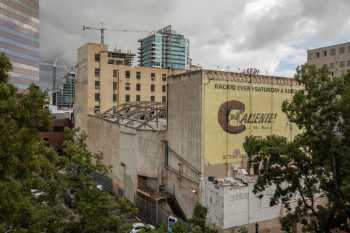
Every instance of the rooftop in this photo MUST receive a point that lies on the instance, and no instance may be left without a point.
(144, 115)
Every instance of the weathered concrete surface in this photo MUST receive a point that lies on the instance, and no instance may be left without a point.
(234, 205)
(127, 152)
(184, 134)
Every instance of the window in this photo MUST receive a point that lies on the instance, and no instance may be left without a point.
(127, 74)
(114, 86)
(110, 61)
(114, 97)
(341, 50)
(138, 98)
(97, 84)
(127, 98)
(97, 109)
(97, 96)
(97, 72)
(342, 64)
(118, 62)
(97, 57)
(317, 54)
(333, 52)
(163, 99)
(349, 49)
(310, 55)
(153, 76)
(325, 53)
(153, 88)
(164, 88)
(138, 87)
(138, 75)
(163, 77)
(127, 86)
(152, 98)
(115, 73)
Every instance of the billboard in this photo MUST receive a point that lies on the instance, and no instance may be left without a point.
(236, 108)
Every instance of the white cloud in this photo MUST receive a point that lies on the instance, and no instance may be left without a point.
(234, 33)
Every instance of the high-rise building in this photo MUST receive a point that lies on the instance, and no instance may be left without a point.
(164, 49)
(63, 97)
(19, 39)
(106, 79)
(51, 76)
(335, 57)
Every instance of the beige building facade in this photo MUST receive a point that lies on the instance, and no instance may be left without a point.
(210, 113)
(335, 57)
(107, 78)
(198, 134)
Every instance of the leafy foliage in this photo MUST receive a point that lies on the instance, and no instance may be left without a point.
(311, 173)
(198, 223)
(34, 179)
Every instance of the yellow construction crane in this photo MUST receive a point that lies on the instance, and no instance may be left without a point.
(102, 30)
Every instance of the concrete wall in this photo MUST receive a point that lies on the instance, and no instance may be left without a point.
(150, 153)
(184, 116)
(229, 99)
(127, 152)
(229, 207)
(184, 134)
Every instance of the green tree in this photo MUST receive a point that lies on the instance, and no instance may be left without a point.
(314, 166)
(199, 220)
(98, 211)
(27, 164)
(34, 178)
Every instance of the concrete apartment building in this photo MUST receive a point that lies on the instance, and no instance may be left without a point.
(164, 49)
(107, 78)
(163, 155)
(335, 57)
(19, 39)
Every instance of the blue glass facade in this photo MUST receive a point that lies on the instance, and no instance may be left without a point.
(164, 49)
(64, 96)
(19, 39)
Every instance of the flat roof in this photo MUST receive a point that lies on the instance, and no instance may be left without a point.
(330, 46)
(239, 77)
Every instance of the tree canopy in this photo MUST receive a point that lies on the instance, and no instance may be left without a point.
(311, 173)
(197, 224)
(35, 180)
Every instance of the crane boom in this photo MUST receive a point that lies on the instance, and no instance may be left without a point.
(102, 30)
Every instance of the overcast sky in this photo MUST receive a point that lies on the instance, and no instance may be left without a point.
(272, 35)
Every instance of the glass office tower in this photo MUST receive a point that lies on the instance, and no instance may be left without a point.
(164, 49)
(19, 39)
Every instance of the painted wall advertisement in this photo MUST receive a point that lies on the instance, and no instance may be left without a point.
(234, 110)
